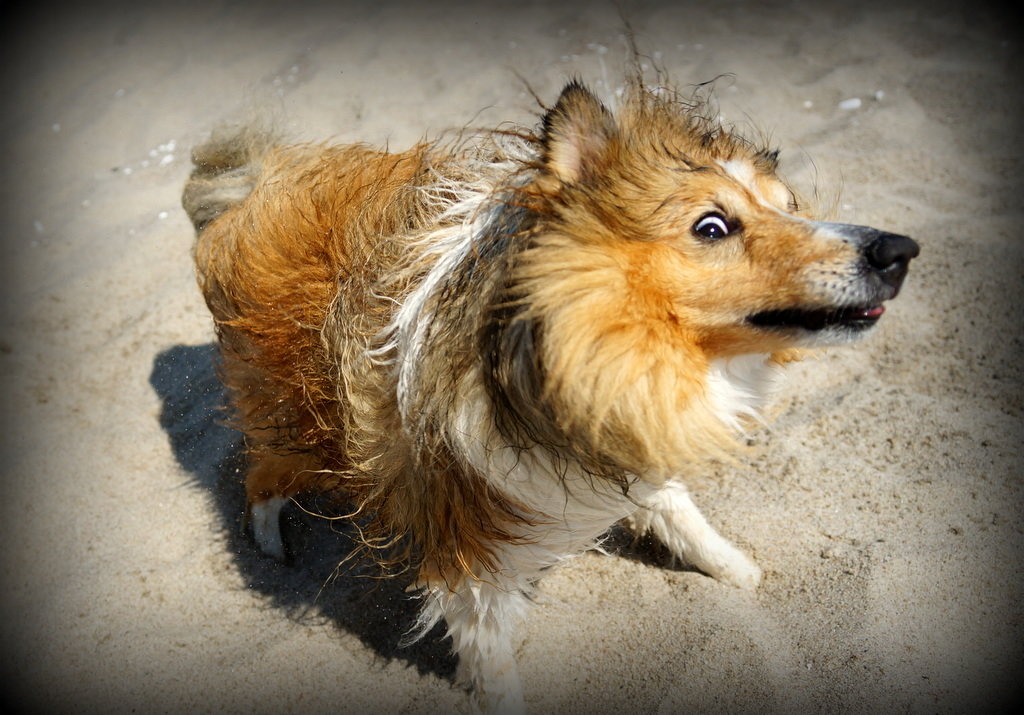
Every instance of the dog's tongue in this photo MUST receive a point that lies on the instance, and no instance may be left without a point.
(874, 312)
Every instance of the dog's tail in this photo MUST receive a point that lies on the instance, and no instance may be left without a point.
(225, 172)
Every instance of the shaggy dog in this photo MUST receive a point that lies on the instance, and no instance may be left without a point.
(495, 347)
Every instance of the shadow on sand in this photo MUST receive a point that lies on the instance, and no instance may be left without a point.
(378, 611)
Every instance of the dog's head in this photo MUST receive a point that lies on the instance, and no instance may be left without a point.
(664, 243)
(705, 236)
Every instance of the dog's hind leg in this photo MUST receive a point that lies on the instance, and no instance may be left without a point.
(265, 410)
(672, 517)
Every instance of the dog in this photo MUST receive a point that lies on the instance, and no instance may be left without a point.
(495, 346)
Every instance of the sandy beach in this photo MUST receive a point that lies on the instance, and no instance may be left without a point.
(883, 499)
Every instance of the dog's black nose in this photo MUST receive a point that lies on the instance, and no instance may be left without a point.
(889, 254)
(889, 249)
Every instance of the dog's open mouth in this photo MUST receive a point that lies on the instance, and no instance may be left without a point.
(851, 318)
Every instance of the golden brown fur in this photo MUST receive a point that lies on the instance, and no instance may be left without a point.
(393, 326)
(314, 410)
(443, 335)
(293, 276)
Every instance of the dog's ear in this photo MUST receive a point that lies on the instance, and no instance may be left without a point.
(579, 134)
(767, 160)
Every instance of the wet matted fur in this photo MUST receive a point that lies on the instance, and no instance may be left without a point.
(498, 345)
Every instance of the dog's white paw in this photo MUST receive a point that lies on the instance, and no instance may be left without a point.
(731, 566)
(674, 519)
(265, 521)
(497, 703)
(494, 684)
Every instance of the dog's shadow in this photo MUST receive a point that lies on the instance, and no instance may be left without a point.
(312, 584)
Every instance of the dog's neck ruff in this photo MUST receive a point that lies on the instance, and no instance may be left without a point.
(466, 207)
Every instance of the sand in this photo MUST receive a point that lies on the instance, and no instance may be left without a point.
(883, 500)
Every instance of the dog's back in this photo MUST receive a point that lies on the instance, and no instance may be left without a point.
(279, 229)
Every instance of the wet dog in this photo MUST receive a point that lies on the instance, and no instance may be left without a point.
(495, 347)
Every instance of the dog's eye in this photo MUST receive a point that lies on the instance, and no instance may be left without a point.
(712, 227)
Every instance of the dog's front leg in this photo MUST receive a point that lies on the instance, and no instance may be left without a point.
(482, 617)
(672, 517)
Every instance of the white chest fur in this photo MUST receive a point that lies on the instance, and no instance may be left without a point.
(738, 388)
